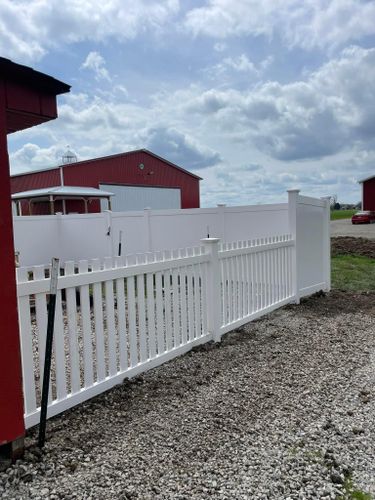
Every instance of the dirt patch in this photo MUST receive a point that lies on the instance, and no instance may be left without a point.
(344, 245)
(338, 302)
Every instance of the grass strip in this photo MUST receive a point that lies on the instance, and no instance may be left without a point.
(353, 272)
(342, 214)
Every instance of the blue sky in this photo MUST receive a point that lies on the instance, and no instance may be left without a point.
(255, 97)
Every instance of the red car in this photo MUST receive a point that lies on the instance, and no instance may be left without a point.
(364, 217)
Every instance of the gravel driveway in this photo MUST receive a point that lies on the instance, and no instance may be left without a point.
(283, 409)
(345, 227)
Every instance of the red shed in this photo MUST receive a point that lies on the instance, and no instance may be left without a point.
(138, 179)
(27, 98)
(368, 193)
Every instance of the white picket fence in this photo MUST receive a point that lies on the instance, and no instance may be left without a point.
(115, 319)
(118, 317)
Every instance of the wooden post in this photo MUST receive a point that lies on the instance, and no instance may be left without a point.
(12, 427)
(213, 288)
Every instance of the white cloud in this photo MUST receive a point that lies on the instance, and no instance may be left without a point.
(33, 157)
(220, 46)
(241, 63)
(250, 145)
(95, 126)
(330, 111)
(179, 148)
(308, 23)
(95, 62)
(30, 28)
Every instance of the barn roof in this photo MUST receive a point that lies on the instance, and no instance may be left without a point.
(32, 78)
(126, 153)
(62, 191)
(366, 179)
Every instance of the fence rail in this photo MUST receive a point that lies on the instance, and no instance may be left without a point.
(118, 317)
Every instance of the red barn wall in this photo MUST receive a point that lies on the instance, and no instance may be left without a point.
(369, 195)
(117, 169)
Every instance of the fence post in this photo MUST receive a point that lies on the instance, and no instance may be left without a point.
(327, 243)
(292, 214)
(147, 226)
(213, 288)
(221, 207)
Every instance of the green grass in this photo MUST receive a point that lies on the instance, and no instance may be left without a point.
(353, 272)
(342, 214)
(352, 493)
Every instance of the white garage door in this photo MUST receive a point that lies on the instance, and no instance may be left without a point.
(138, 197)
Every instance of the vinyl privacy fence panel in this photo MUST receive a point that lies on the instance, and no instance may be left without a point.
(86, 236)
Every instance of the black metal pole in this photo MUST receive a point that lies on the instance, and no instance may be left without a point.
(48, 353)
(119, 244)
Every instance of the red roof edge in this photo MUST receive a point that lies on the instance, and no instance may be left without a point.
(24, 74)
(113, 156)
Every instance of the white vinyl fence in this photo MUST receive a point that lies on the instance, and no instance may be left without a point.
(86, 236)
(117, 317)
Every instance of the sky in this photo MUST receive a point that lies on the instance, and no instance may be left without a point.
(256, 97)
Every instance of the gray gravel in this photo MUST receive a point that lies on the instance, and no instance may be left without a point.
(345, 227)
(283, 409)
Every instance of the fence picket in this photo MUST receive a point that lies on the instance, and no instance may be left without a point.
(28, 378)
(71, 313)
(59, 350)
(88, 375)
(197, 303)
(159, 312)
(133, 343)
(110, 320)
(204, 298)
(183, 294)
(190, 303)
(121, 318)
(176, 309)
(167, 308)
(142, 318)
(98, 325)
(41, 321)
(151, 310)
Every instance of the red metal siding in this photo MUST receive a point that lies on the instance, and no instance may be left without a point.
(119, 169)
(369, 195)
(11, 399)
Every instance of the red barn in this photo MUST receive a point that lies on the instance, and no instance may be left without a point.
(137, 179)
(27, 98)
(368, 193)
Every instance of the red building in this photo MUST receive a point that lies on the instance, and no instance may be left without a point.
(27, 98)
(138, 179)
(368, 193)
